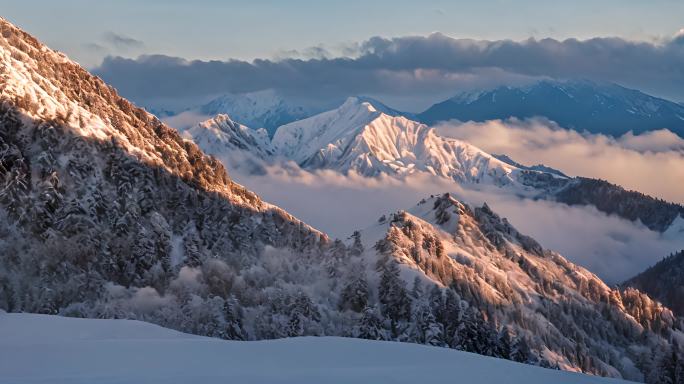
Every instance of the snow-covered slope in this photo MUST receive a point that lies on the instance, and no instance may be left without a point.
(357, 137)
(221, 134)
(262, 109)
(576, 104)
(39, 348)
(515, 282)
(664, 281)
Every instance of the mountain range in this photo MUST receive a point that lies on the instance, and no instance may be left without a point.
(358, 137)
(106, 212)
(266, 109)
(581, 105)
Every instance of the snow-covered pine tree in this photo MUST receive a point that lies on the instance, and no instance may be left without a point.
(233, 314)
(452, 317)
(521, 351)
(356, 292)
(192, 245)
(370, 325)
(417, 289)
(394, 298)
(476, 334)
(425, 329)
(503, 347)
(356, 248)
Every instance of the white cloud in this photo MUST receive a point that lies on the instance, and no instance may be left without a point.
(652, 163)
(185, 119)
(613, 248)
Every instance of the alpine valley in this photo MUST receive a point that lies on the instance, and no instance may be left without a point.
(106, 212)
(360, 138)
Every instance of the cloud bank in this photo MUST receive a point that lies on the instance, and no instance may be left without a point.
(651, 163)
(411, 71)
(613, 248)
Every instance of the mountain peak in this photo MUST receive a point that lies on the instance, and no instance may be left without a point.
(355, 103)
(261, 109)
(357, 137)
(221, 134)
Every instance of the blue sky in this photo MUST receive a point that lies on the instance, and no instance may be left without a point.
(212, 29)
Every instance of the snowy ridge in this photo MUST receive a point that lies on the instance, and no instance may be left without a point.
(49, 87)
(533, 292)
(46, 86)
(220, 134)
(357, 137)
(262, 109)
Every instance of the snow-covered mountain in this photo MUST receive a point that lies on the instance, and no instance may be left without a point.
(263, 109)
(512, 281)
(100, 202)
(576, 104)
(125, 351)
(358, 137)
(221, 134)
(105, 212)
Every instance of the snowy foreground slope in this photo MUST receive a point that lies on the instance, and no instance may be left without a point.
(69, 350)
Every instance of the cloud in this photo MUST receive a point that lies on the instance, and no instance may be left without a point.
(652, 163)
(122, 41)
(418, 70)
(338, 204)
(95, 47)
(654, 141)
(185, 119)
(315, 52)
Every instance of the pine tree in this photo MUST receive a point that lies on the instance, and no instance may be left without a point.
(370, 325)
(437, 304)
(192, 245)
(232, 313)
(356, 293)
(394, 298)
(476, 334)
(424, 327)
(668, 366)
(303, 314)
(356, 247)
(504, 343)
(452, 318)
(521, 351)
(144, 254)
(417, 290)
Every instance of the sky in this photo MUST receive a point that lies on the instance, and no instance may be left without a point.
(248, 29)
(173, 55)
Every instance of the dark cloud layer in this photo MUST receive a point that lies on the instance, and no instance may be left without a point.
(122, 41)
(409, 67)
